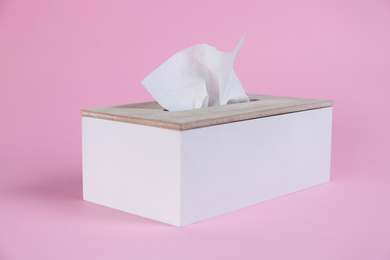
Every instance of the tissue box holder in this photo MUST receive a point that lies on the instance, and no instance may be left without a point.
(187, 166)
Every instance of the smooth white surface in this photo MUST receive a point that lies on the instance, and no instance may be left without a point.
(231, 166)
(133, 168)
(181, 177)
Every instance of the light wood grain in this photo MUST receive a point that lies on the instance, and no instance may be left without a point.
(152, 114)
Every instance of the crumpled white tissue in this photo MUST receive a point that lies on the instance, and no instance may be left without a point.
(199, 76)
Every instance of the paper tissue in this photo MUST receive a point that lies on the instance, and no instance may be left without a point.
(199, 76)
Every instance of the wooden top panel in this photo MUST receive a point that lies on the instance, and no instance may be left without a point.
(152, 114)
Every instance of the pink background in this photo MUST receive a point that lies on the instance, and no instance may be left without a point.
(57, 57)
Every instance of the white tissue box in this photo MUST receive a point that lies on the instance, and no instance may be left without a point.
(187, 166)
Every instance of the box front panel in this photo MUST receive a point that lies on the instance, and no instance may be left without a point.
(235, 165)
(133, 168)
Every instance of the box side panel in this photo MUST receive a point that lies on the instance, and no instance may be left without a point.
(133, 168)
(231, 166)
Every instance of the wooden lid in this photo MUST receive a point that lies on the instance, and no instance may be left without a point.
(152, 114)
